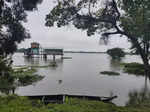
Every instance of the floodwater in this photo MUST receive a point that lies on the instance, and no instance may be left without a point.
(81, 76)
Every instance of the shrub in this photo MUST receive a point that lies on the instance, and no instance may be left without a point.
(133, 68)
(116, 53)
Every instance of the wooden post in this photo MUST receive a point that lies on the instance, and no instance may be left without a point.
(61, 56)
(45, 56)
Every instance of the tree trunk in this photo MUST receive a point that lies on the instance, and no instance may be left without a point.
(146, 64)
(143, 54)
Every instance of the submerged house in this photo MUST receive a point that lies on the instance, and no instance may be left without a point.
(36, 49)
(33, 50)
(53, 51)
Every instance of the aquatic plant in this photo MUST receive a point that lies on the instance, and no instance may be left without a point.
(53, 64)
(26, 76)
(110, 73)
(133, 68)
(16, 77)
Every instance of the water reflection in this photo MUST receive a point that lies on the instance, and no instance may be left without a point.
(115, 64)
(39, 61)
(60, 81)
(139, 97)
(80, 75)
(32, 61)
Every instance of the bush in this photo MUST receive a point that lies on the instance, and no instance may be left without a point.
(133, 68)
(116, 53)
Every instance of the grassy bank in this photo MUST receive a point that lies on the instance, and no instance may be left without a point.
(22, 104)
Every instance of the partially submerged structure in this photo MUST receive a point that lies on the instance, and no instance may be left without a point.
(37, 50)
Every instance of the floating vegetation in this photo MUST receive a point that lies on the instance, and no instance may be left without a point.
(25, 70)
(133, 68)
(40, 66)
(53, 64)
(18, 76)
(29, 79)
(26, 76)
(110, 73)
(66, 57)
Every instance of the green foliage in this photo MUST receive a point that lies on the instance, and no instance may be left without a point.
(140, 98)
(135, 22)
(108, 17)
(11, 78)
(25, 76)
(110, 73)
(22, 104)
(116, 53)
(53, 64)
(133, 68)
(5, 64)
(12, 31)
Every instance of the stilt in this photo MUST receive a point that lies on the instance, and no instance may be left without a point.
(53, 58)
(61, 56)
(45, 56)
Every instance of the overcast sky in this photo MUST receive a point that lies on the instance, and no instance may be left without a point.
(68, 38)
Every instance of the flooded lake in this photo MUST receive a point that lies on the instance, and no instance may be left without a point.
(81, 76)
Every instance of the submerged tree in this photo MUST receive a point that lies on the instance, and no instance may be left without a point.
(116, 53)
(128, 18)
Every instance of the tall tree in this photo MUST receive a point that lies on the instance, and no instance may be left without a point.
(12, 15)
(12, 32)
(11, 29)
(130, 18)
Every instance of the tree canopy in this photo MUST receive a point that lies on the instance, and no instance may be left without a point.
(12, 17)
(12, 32)
(130, 18)
(116, 53)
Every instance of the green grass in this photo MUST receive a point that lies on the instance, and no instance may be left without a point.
(22, 104)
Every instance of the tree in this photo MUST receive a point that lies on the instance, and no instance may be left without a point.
(116, 53)
(11, 28)
(12, 32)
(12, 15)
(11, 78)
(128, 18)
